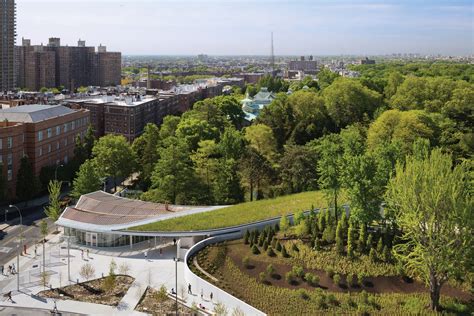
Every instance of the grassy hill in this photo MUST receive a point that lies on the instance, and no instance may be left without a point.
(240, 213)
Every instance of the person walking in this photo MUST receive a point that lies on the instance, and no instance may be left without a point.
(1, 269)
(211, 296)
(9, 296)
(82, 254)
(189, 289)
(174, 241)
(24, 249)
(88, 254)
(36, 250)
(146, 255)
(9, 269)
(161, 252)
(202, 294)
(13, 268)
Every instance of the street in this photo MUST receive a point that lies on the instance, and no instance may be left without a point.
(31, 231)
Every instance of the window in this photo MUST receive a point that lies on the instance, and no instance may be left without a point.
(65, 128)
(58, 130)
(65, 159)
(10, 142)
(65, 142)
(57, 145)
(49, 148)
(40, 135)
(40, 151)
(50, 132)
(10, 167)
(73, 125)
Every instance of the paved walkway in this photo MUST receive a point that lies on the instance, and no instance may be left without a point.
(156, 270)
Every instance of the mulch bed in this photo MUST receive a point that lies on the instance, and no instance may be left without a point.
(91, 291)
(382, 284)
(150, 304)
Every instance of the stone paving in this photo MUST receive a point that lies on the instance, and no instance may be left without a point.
(155, 270)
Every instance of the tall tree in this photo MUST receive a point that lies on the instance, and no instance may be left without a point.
(87, 180)
(114, 157)
(298, 169)
(145, 148)
(53, 210)
(255, 170)
(432, 203)
(330, 167)
(260, 138)
(26, 181)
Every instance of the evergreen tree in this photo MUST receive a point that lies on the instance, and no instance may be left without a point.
(380, 246)
(350, 240)
(339, 238)
(53, 210)
(362, 242)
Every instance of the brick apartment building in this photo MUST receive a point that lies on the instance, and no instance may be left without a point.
(128, 115)
(7, 44)
(54, 65)
(46, 134)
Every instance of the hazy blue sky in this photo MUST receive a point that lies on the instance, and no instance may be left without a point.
(226, 27)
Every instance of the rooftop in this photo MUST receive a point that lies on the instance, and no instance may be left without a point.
(33, 113)
(101, 211)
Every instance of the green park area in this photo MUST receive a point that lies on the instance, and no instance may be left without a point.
(242, 213)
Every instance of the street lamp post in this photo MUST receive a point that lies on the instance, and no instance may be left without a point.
(20, 245)
(56, 171)
(176, 282)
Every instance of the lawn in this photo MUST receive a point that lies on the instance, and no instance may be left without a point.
(240, 214)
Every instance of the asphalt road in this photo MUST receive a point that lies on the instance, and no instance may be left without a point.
(31, 231)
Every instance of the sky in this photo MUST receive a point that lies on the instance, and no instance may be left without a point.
(243, 27)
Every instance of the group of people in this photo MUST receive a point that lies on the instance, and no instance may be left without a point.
(211, 295)
(10, 271)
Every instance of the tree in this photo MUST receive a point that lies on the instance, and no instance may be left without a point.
(113, 157)
(432, 204)
(339, 238)
(26, 181)
(326, 77)
(348, 101)
(298, 168)
(173, 179)
(87, 271)
(53, 210)
(87, 180)
(350, 240)
(362, 242)
(330, 167)
(394, 80)
(260, 138)
(255, 170)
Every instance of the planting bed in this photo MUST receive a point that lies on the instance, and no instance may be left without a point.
(91, 291)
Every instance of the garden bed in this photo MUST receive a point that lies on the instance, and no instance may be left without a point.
(156, 302)
(91, 291)
(376, 294)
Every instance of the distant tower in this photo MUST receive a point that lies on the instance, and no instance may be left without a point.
(272, 58)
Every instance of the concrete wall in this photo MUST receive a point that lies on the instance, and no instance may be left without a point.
(222, 296)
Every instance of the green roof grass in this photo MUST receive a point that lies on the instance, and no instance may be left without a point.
(239, 214)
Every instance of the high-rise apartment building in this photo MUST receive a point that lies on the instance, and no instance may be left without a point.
(7, 44)
(68, 66)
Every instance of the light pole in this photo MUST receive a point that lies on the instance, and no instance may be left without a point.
(56, 172)
(176, 282)
(20, 245)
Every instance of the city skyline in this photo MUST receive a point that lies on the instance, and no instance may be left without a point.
(243, 28)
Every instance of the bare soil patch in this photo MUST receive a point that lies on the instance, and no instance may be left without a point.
(91, 291)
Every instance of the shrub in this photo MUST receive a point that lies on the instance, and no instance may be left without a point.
(265, 245)
(311, 278)
(277, 228)
(273, 242)
(261, 277)
(246, 237)
(372, 255)
(350, 279)
(362, 242)
(270, 252)
(124, 268)
(336, 279)
(261, 240)
(370, 241)
(87, 271)
(294, 247)
(360, 279)
(298, 271)
(339, 238)
(321, 302)
(246, 261)
(329, 234)
(330, 272)
(380, 246)
(284, 223)
(270, 270)
(255, 250)
(321, 221)
(303, 294)
(289, 277)
(162, 294)
(283, 252)
(317, 244)
(332, 300)
(278, 246)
